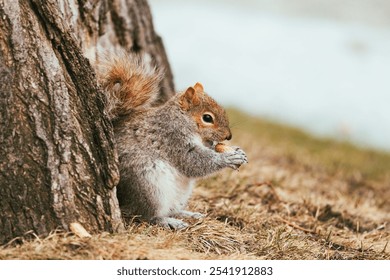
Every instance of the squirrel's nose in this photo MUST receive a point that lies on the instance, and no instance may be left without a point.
(229, 136)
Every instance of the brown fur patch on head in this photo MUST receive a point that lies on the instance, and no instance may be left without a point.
(209, 116)
(189, 99)
(199, 87)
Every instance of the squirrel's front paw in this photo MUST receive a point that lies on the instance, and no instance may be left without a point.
(234, 159)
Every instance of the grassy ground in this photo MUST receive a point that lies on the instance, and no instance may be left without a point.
(298, 198)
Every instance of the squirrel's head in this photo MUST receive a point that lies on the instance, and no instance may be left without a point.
(209, 116)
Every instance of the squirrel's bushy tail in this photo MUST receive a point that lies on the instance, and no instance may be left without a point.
(130, 82)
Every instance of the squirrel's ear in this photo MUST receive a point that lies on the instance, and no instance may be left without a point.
(189, 98)
(198, 87)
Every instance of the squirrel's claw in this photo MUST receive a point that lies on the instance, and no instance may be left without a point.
(169, 223)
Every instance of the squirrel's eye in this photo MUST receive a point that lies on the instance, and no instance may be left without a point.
(208, 118)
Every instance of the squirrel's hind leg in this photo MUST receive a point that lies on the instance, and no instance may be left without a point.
(189, 214)
(169, 223)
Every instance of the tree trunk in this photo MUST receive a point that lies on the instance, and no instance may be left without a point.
(58, 163)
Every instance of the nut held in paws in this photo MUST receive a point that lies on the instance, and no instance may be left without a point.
(223, 148)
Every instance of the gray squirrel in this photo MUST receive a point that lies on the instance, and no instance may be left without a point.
(162, 149)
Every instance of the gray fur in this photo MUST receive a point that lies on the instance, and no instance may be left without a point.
(160, 155)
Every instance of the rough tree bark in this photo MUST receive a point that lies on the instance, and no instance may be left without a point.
(58, 164)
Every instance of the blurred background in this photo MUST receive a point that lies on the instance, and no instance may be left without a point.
(321, 65)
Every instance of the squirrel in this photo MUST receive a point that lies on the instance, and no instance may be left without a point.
(162, 149)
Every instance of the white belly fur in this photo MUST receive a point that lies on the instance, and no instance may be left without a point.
(172, 189)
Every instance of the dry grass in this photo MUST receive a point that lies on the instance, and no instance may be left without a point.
(298, 198)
